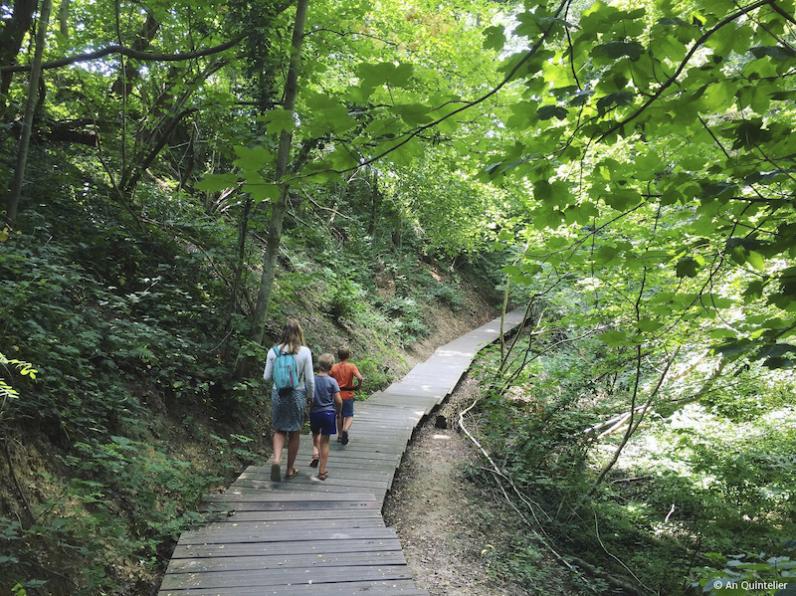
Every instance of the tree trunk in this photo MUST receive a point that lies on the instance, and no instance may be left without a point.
(11, 37)
(12, 202)
(282, 158)
(243, 233)
(63, 18)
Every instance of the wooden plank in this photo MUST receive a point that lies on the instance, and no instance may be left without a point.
(240, 535)
(320, 522)
(289, 515)
(393, 587)
(252, 531)
(377, 466)
(286, 496)
(284, 561)
(290, 505)
(315, 486)
(380, 467)
(292, 576)
(294, 547)
(338, 477)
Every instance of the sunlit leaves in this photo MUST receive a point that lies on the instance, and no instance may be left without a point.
(383, 73)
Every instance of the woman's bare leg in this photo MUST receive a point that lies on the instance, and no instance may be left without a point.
(278, 443)
(292, 450)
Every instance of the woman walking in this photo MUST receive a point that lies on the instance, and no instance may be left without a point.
(289, 365)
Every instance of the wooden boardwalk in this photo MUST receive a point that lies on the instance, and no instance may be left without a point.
(304, 536)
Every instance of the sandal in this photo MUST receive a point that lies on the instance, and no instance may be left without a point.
(291, 473)
(276, 473)
(323, 475)
(314, 462)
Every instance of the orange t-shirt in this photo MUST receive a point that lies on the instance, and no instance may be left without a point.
(343, 373)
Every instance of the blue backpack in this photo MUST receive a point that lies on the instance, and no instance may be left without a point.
(286, 377)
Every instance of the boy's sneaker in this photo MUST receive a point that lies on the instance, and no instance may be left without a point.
(344, 437)
(340, 438)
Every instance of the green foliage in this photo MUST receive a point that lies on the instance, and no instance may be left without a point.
(448, 296)
(631, 166)
(746, 571)
(23, 368)
(721, 466)
(343, 299)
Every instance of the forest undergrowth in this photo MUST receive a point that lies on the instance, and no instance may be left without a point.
(702, 492)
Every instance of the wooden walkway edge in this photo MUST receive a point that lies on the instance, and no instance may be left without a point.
(304, 536)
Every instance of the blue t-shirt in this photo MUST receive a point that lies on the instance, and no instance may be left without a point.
(323, 397)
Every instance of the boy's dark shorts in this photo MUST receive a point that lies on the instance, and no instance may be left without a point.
(348, 408)
(324, 423)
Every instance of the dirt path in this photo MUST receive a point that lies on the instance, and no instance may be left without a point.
(438, 513)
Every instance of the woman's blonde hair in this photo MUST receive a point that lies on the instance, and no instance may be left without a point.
(292, 336)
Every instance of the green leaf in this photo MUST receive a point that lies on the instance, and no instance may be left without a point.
(687, 267)
(622, 199)
(262, 191)
(614, 338)
(494, 38)
(217, 182)
(413, 113)
(547, 112)
(776, 52)
(254, 158)
(621, 98)
(617, 49)
(278, 120)
(375, 75)
(756, 260)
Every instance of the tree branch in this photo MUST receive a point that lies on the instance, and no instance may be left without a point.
(130, 53)
(668, 83)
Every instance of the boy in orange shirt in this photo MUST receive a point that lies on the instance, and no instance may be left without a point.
(344, 372)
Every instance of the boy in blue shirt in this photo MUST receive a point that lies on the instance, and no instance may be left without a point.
(326, 403)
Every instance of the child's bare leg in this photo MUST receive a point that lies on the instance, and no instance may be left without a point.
(316, 445)
(347, 422)
(278, 443)
(324, 447)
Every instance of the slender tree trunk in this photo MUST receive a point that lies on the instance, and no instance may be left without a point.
(12, 202)
(242, 234)
(279, 208)
(63, 18)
